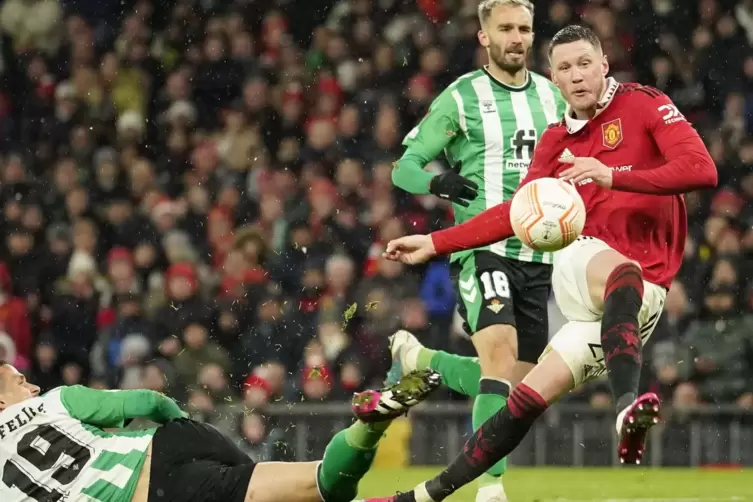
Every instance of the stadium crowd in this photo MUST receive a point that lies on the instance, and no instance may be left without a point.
(195, 195)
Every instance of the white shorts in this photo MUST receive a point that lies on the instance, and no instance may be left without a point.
(579, 340)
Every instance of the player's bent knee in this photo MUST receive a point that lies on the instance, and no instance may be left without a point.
(551, 377)
(598, 270)
(497, 348)
(283, 482)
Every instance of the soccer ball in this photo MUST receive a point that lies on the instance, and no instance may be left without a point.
(547, 214)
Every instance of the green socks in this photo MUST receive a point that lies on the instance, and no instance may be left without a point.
(459, 373)
(364, 436)
(347, 459)
(463, 374)
(492, 397)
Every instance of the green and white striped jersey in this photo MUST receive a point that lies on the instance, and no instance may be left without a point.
(492, 128)
(49, 451)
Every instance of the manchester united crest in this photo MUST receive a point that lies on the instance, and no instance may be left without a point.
(611, 133)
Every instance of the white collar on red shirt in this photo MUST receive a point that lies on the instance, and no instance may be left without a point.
(574, 125)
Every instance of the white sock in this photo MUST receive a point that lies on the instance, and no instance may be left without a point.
(620, 418)
(421, 494)
(411, 358)
(491, 493)
(506, 382)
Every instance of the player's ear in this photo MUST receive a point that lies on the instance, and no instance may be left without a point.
(483, 39)
(553, 76)
(604, 65)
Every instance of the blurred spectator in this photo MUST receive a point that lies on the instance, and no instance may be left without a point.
(720, 348)
(260, 441)
(14, 318)
(196, 198)
(198, 351)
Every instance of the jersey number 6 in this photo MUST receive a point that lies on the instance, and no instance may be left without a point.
(46, 448)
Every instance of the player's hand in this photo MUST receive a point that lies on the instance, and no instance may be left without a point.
(584, 168)
(453, 187)
(411, 249)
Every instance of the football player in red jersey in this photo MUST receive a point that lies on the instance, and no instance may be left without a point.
(631, 154)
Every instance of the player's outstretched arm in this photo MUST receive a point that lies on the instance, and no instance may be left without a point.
(110, 409)
(489, 226)
(424, 143)
(688, 166)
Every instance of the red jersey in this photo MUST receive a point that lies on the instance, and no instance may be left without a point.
(655, 155)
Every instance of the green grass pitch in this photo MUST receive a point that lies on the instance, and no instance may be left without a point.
(586, 484)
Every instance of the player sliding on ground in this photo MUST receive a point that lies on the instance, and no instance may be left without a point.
(631, 154)
(53, 448)
(487, 122)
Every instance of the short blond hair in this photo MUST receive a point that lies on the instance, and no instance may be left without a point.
(486, 7)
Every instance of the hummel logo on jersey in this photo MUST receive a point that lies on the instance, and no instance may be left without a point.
(566, 155)
(487, 106)
(468, 289)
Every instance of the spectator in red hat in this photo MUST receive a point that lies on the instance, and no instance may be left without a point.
(266, 382)
(323, 198)
(237, 275)
(243, 266)
(433, 10)
(256, 391)
(184, 302)
(316, 377)
(727, 203)
(164, 214)
(273, 37)
(121, 272)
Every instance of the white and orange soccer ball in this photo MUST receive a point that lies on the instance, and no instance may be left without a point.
(547, 214)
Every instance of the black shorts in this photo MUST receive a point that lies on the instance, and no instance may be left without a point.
(496, 290)
(194, 462)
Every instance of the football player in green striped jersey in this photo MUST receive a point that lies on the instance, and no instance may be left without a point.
(487, 124)
(69, 445)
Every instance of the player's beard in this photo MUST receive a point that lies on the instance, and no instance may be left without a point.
(508, 62)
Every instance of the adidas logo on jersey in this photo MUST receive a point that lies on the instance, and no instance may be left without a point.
(566, 155)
